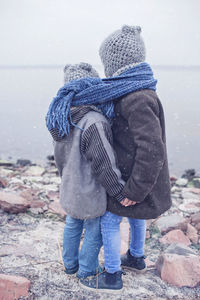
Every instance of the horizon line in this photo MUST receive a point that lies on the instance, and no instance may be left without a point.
(58, 66)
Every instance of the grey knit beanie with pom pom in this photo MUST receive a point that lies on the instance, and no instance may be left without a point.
(122, 48)
(77, 71)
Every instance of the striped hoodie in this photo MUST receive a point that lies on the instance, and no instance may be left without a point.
(87, 165)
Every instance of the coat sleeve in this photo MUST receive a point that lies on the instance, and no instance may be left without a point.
(96, 146)
(142, 114)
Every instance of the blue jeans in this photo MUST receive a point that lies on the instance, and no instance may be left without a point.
(110, 229)
(87, 257)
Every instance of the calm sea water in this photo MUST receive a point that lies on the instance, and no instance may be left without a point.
(25, 95)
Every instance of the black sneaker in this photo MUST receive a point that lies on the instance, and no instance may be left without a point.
(72, 270)
(104, 282)
(133, 263)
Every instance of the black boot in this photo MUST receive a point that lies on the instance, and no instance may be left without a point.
(104, 281)
(133, 263)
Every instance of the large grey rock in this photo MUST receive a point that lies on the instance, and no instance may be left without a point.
(180, 249)
(188, 194)
(167, 223)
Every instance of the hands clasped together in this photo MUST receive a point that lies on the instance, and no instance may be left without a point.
(127, 202)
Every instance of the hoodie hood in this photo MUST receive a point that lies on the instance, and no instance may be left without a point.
(77, 113)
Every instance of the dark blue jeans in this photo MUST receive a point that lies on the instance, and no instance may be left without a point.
(110, 229)
(87, 257)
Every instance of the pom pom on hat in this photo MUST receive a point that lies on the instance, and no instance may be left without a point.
(131, 29)
(85, 66)
(77, 71)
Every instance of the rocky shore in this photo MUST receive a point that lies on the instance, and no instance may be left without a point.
(32, 222)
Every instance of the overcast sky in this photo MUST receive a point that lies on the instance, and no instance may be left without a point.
(47, 32)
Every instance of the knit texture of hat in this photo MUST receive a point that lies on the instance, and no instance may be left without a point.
(82, 70)
(122, 48)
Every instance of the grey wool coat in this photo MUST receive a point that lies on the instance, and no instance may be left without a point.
(140, 145)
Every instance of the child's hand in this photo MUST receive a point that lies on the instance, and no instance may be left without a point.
(127, 202)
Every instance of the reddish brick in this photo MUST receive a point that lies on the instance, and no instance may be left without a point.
(179, 270)
(175, 236)
(13, 203)
(13, 287)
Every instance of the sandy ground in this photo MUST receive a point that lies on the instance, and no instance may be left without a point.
(31, 247)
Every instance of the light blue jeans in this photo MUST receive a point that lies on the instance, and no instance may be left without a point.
(110, 229)
(87, 257)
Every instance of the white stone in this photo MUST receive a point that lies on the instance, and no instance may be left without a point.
(50, 187)
(34, 171)
(190, 206)
(182, 182)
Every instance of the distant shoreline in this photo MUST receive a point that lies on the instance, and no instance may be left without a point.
(160, 67)
(13, 159)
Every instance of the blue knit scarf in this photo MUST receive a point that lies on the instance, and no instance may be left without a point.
(98, 92)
